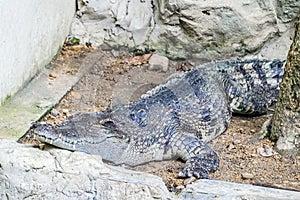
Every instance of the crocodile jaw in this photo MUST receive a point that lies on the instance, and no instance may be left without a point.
(46, 133)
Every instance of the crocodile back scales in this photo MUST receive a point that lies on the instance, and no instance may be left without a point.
(200, 101)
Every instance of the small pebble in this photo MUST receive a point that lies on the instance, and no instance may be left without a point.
(51, 117)
(75, 95)
(41, 146)
(180, 187)
(158, 62)
(189, 180)
(265, 151)
(241, 130)
(236, 142)
(230, 147)
(52, 75)
(247, 175)
(77, 47)
(65, 111)
(54, 112)
(253, 155)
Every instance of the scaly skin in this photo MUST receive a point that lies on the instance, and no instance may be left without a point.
(175, 119)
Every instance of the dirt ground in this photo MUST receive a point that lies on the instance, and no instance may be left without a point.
(120, 79)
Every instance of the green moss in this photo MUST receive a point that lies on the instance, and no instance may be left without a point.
(15, 118)
(7, 98)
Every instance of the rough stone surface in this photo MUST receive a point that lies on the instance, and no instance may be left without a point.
(211, 28)
(287, 10)
(181, 29)
(119, 22)
(207, 189)
(30, 173)
(158, 62)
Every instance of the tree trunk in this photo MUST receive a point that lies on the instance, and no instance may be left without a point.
(285, 124)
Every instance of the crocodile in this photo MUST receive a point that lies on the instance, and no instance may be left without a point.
(176, 119)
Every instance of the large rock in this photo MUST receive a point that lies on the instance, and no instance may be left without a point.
(31, 173)
(117, 22)
(215, 28)
(27, 172)
(213, 189)
(181, 29)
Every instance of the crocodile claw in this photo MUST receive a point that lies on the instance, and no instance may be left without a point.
(199, 173)
(200, 167)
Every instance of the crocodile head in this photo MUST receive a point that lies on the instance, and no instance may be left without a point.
(82, 133)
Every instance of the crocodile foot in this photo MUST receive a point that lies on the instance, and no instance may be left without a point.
(200, 167)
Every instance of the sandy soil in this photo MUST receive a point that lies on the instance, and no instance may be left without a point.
(116, 80)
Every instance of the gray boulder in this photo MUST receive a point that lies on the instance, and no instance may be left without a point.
(214, 189)
(183, 29)
(30, 173)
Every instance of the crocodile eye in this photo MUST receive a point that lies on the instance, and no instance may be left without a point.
(141, 113)
(109, 124)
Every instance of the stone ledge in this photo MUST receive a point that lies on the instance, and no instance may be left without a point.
(28, 172)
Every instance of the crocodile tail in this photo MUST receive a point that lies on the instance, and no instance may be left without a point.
(251, 85)
(270, 74)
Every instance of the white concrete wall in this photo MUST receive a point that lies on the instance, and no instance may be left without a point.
(31, 32)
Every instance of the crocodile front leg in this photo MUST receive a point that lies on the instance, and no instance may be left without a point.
(200, 158)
